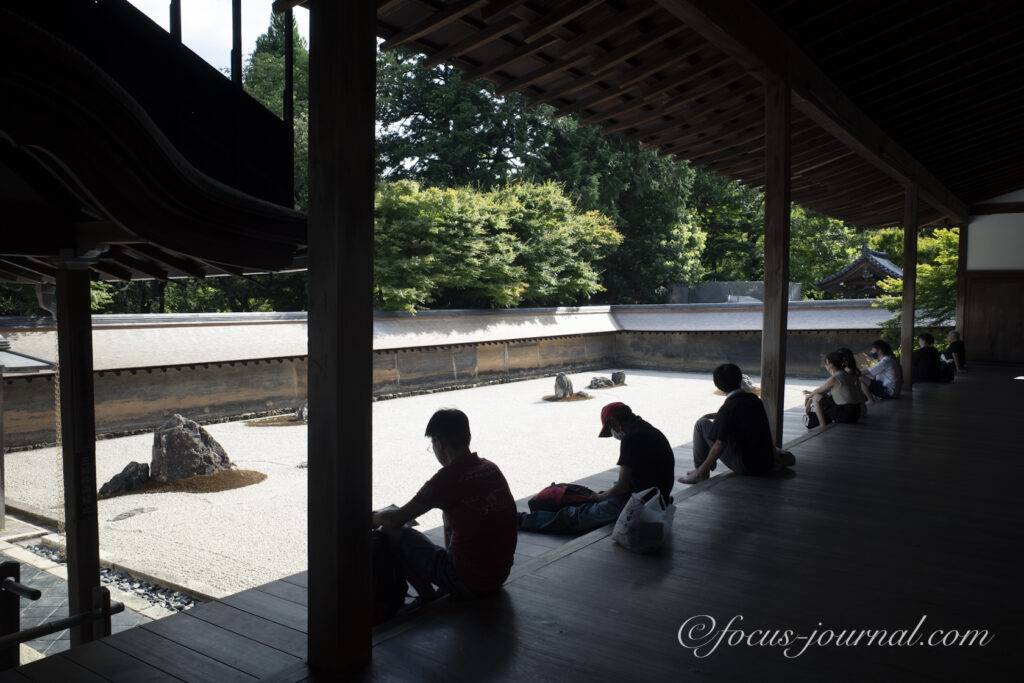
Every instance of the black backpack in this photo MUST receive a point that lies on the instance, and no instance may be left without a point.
(389, 585)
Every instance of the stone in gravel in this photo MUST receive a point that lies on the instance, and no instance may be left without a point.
(563, 386)
(599, 383)
(182, 449)
(619, 377)
(134, 475)
(302, 413)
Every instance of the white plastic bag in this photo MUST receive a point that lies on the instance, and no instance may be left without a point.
(645, 522)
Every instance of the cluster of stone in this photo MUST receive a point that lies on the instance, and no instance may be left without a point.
(181, 449)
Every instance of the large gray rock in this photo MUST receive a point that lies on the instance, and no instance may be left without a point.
(181, 448)
(563, 386)
(134, 475)
(599, 383)
(619, 377)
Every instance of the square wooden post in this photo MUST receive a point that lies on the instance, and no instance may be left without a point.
(78, 439)
(777, 161)
(961, 278)
(3, 483)
(342, 83)
(909, 285)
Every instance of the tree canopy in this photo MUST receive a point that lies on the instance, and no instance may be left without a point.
(461, 247)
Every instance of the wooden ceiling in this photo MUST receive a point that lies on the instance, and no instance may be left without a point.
(885, 93)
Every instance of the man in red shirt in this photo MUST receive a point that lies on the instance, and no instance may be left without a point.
(478, 510)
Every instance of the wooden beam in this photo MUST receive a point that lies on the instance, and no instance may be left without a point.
(450, 13)
(742, 31)
(145, 267)
(78, 439)
(993, 208)
(777, 159)
(341, 118)
(175, 20)
(605, 29)
(562, 14)
(179, 263)
(540, 74)
(474, 40)
(693, 87)
(288, 96)
(236, 43)
(631, 48)
(909, 285)
(506, 60)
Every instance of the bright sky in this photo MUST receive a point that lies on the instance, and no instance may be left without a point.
(206, 25)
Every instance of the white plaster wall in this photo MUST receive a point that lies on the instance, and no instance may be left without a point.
(996, 242)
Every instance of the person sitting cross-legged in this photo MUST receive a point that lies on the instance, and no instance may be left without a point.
(738, 434)
(645, 460)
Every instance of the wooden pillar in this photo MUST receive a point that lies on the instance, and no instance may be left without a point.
(909, 284)
(342, 78)
(288, 105)
(776, 252)
(3, 484)
(961, 279)
(236, 42)
(176, 20)
(78, 437)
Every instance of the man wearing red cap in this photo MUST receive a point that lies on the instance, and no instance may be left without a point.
(645, 460)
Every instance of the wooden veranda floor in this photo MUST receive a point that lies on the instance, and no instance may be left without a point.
(913, 514)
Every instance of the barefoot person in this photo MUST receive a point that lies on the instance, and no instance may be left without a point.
(478, 507)
(738, 434)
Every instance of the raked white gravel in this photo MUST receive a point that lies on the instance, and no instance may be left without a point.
(222, 543)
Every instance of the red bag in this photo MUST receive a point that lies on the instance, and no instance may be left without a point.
(558, 496)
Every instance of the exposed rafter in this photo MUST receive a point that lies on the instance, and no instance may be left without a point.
(743, 32)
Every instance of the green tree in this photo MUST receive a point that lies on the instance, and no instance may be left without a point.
(462, 247)
(19, 299)
(732, 216)
(645, 196)
(439, 129)
(819, 246)
(936, 283)
(263, 78)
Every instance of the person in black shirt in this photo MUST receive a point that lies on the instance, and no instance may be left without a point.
(956, 351)
(738, 434)
(645, 460)
(927, 365)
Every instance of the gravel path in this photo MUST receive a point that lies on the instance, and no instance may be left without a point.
(222, 543)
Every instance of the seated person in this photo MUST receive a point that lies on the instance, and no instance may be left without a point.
(738, 433)
(478, 507)
(842, 388)
(926, 362)
(956, 352)
(645, 460)
(881, 380)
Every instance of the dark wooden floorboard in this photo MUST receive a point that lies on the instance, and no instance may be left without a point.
(287, 591)
(113, 665)
(60, 668)
(913, 514)
(167, 655)
(238, 652)
(251, 626)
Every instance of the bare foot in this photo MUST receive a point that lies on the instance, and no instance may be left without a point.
(692, 478)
